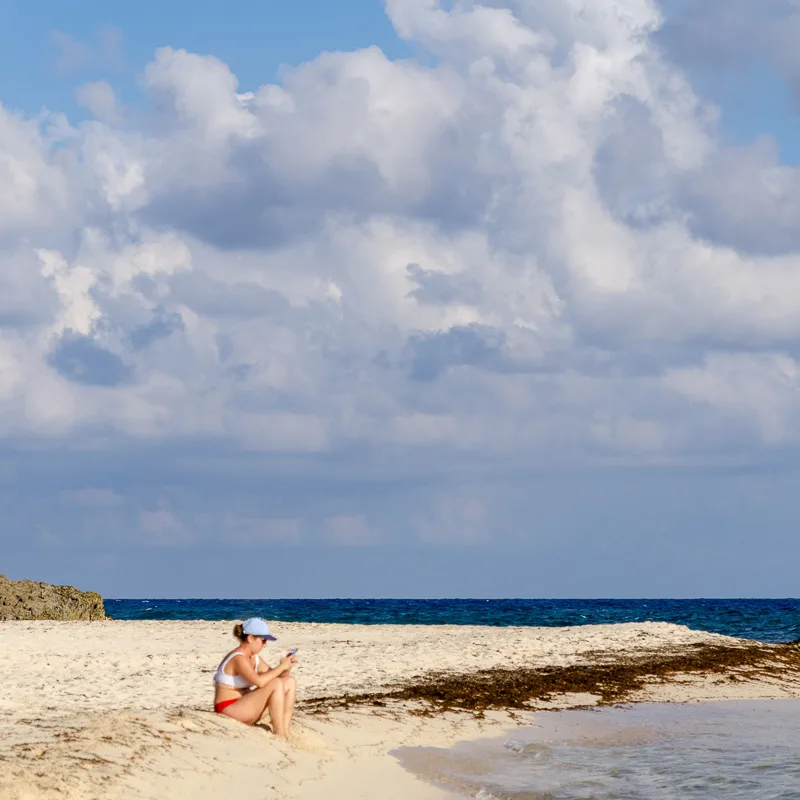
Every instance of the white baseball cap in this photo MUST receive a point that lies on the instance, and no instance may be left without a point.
(256, 626)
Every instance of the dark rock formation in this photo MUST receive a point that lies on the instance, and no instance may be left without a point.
(32, 600)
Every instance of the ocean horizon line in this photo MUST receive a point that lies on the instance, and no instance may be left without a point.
(566, 599)
(766, 619)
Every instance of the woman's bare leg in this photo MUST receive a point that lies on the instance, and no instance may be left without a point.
(250, 707)
(277, 705)
(290, 693)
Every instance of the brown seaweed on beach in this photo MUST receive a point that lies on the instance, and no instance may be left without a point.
(613, 681)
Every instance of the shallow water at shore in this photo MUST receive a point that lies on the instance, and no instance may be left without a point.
(732, 750)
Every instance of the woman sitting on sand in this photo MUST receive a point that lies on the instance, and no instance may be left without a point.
(245, 686)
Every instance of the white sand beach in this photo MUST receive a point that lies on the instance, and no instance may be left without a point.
(120, 709)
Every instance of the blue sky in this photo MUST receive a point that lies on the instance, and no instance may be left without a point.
(506, 305)
(39, 67)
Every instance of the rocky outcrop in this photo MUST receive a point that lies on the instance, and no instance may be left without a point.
(32, 600)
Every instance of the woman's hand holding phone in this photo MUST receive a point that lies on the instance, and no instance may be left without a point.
(289, 660)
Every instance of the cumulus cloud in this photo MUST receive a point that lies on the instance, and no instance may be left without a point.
(742, 197)
(530, 246)
(99, 98)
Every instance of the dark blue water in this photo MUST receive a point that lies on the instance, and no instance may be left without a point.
(766, 620)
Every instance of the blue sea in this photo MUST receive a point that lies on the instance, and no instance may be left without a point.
(765, 620)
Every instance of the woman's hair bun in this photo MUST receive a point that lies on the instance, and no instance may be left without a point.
(238, 632)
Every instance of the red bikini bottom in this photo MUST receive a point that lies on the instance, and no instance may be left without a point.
(224, 704)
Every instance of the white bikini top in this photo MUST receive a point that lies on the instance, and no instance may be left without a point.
(234, 681)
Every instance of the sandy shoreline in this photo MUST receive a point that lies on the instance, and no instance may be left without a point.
(122, 708)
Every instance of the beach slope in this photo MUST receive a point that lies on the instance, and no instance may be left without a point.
(117, 709)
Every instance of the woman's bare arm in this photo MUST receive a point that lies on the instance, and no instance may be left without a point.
(260, 679)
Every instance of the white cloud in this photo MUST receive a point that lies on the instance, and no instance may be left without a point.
(505, 252)
(73, 285)
(201, 92)
(99, 98)
(34, 190)
(759, 393)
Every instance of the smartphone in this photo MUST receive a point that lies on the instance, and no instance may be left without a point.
(292, 652)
